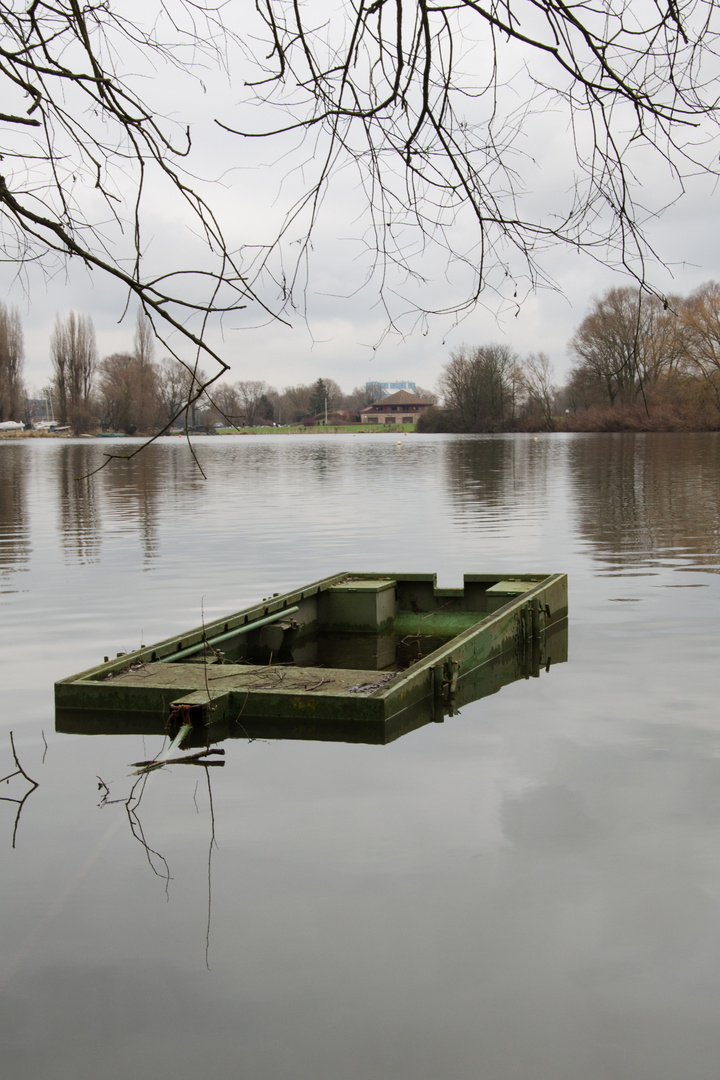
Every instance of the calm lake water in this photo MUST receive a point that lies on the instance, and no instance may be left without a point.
(529, 891)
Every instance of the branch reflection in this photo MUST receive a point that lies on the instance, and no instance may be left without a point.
(19, 771)
(195, 743)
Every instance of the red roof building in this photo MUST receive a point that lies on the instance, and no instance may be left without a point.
(399, 408)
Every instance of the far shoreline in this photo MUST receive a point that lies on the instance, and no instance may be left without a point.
(572, 425)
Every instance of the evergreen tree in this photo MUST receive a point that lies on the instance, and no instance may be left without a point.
(318, 398)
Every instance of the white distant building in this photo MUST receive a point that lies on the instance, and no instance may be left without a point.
(387, 388)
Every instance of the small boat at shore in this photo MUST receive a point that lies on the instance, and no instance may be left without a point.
(376, 653)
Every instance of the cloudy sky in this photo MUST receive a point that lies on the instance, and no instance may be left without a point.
(253, 184)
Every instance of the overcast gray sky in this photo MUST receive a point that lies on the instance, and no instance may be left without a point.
(345, 322)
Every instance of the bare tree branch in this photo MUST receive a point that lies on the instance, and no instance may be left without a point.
(430, 116)
(430, 105)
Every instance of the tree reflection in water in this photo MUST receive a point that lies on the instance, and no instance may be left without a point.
(636, 494)
(19, 771)
(132, 801)
(520, 662)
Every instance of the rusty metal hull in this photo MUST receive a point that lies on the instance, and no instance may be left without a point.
(282, 666)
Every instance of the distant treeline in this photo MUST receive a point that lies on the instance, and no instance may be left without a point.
(640, 363)
(132, 392)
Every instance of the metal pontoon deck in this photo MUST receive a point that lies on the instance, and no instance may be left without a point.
(362, 649)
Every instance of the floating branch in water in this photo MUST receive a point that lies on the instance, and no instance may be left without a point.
(170, 756)
(197, 758)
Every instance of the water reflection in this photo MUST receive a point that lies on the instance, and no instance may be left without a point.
(501, 478)
(646, 501)
(527, 890)
(80, 519)
(91, 507)
(15, 544)
(132, 491)
(127, 493)
(30, 785)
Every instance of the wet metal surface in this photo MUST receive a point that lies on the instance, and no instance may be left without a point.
(489, 616)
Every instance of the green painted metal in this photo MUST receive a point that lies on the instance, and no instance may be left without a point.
(491, 616)
(224, 718)
(227, 636)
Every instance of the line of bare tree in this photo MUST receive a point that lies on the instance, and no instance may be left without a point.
(12, 358)
(638, 362)
(132, 392)
(635, 351)
(490, 388)
(127, 391)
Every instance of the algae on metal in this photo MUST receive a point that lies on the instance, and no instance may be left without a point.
(487, 679)
(260, 665)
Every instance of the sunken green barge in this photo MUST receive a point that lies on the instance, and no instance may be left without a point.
(365, 649)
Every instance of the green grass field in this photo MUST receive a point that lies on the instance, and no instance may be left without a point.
(341, 429)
